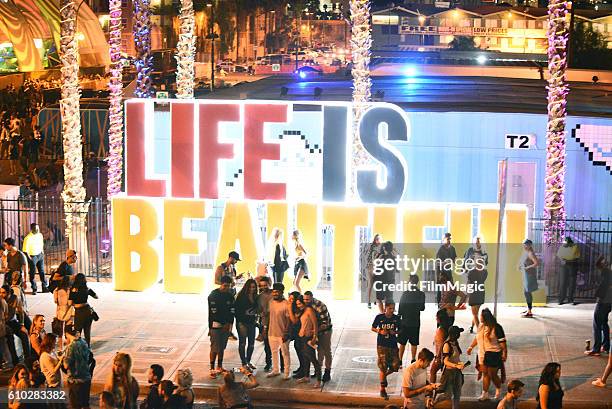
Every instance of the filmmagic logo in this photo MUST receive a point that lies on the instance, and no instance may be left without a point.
(413, 265)
(430, 286)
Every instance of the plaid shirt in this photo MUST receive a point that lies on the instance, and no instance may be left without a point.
(323, 317)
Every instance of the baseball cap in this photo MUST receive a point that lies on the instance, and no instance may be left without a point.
(454, 331)
(234, 255)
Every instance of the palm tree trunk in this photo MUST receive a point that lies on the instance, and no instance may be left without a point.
(361, 42)
(115, 111)
(75, 207)
(554, 206)
(185, 76)
(142, 40)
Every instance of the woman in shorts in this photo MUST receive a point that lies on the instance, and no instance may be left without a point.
(300, 269)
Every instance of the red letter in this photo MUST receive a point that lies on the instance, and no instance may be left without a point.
(210, 148)
(182, 115)
(255, 150)
(138, 116)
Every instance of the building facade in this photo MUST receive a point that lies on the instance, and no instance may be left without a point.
(493, 28)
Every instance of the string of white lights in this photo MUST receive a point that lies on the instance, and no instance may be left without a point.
(115, 111)
(185, 75)
(73, 194)
(361, 42)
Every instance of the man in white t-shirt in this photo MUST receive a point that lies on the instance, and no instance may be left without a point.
(414, 381)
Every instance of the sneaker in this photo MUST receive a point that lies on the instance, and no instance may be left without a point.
(592, 353)
(303, 380)
(599, 383)
(527, 315)
(497, 393)
(326, 376)
(213, 374)
(413, 361)
(267, 368)
(483, 396)
(250, 365)
(272, 374)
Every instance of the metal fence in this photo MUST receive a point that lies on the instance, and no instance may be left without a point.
(594, 238)
(17, 214)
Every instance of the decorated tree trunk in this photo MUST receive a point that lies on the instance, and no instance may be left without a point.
(185, 75)
(554, 207)
(75, 207)
(361, 42)
(115, 111)
(142, 41)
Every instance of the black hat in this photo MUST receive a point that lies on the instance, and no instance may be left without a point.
(454, 331)
(234, 255)
(447, 235)
(278, 287)
(528, 242)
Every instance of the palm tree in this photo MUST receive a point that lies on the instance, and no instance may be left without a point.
(73, 195)
(554, 206)
(185, 75)
(361, 42)
(115, 111)
(142, 40)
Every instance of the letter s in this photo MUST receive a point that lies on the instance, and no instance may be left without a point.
(397, 130)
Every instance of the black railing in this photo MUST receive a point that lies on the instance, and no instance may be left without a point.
(93, 249)
(594, 239)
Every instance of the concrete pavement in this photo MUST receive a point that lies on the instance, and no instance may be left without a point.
(171, 330)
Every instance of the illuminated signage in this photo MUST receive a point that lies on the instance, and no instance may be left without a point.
(294, 159)
(443, 30)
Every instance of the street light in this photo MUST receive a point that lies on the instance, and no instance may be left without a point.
(211, 35)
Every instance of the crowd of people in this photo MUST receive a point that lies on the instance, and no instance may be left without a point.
(259, 309)
(395, 331)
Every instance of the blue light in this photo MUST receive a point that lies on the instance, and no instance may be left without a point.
(302, 74)
(410, 71)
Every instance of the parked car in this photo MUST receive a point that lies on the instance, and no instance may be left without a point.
(308, 72)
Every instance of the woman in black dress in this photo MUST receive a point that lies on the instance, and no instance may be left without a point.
(83, 313)
(477, 277)
(550, 393)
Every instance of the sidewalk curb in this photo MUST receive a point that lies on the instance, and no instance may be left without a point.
(345, 400)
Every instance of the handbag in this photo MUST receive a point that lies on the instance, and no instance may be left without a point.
(94, 314)
(57, 327)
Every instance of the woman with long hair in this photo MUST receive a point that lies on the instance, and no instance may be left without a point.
(83, 316)
(550, 393)
(63, 311)
(300, 269)
(36, 334)
(234, 394)
(184, 382)
(246, 321)
(50, 364)
(277, 255)
(443, 324)
(492, 352)
(371, 253)
(19, 380)
(451, 380)
(528, 265)
(308, 341)
(386, 275)
(294, 329)
(21, 311)
(476, 277)
(121, 383)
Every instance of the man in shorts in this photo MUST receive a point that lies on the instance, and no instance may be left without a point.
(410, 307)
(387, 325)
(220, 319)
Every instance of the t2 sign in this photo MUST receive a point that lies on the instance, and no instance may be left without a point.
(514, 141)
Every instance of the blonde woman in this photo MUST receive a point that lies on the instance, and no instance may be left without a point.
(184, 380)
(300, 269)
(121, 383)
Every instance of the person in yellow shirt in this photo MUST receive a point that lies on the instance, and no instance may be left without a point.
(569, 253)
(33, 247)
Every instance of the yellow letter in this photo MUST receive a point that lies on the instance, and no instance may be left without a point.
(237, 227)
(177, 248)
(125, 243)
(345, 221)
